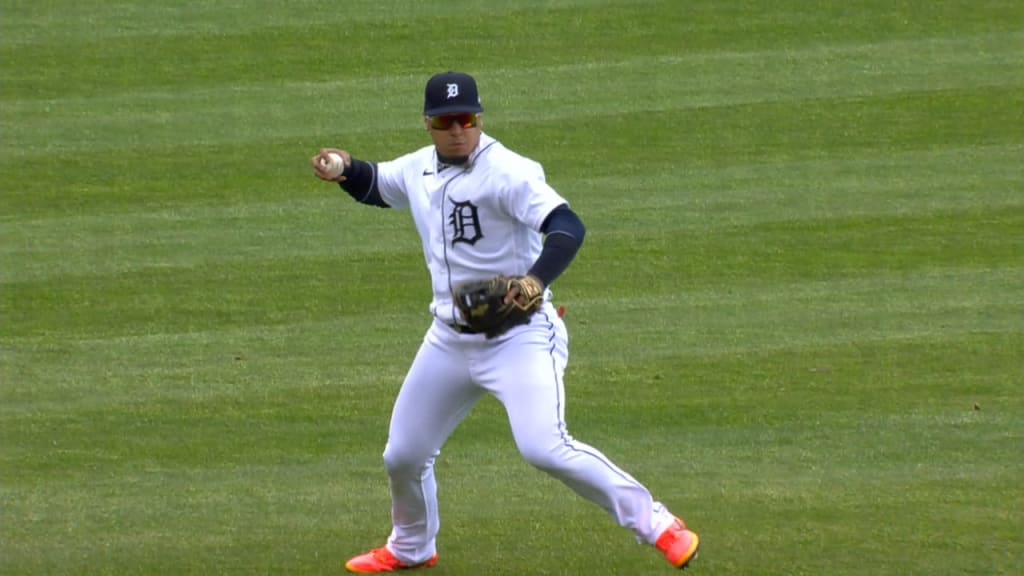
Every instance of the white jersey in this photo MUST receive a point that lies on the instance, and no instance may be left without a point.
(476, 220)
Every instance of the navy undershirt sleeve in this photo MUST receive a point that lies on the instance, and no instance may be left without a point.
(564, 232)
(361, 183)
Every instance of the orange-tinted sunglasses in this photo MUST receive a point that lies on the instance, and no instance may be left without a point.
(445, 121)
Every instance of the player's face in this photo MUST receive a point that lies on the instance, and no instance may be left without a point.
(454, 134)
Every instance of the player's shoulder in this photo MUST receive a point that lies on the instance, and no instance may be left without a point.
(412, 160)
(503, 161)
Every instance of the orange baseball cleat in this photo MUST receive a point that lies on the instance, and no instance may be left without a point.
(382, 560)
(678, 544)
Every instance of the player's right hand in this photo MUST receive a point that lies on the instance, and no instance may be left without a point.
(320, 162)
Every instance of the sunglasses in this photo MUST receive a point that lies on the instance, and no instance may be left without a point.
(445, 121)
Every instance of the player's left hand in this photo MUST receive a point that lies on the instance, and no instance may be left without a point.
(524, 291)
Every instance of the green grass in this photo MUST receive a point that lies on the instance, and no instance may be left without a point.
(798, 316)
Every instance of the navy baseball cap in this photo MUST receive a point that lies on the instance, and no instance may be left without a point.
(449, 93)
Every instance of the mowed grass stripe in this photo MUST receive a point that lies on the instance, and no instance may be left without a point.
(129, 21)
(790, 131)
(192, 235)
(704, 318)
(869, 184)
(316, 225)
(608, 30)
(741, 320)
(783, 73)
(801, 251)
(715, 137)
(178, 298)
(238, 113)
(687, 328)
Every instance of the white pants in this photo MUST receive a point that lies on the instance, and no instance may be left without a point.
(523, 369)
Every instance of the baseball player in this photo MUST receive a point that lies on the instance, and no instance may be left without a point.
(483, 211)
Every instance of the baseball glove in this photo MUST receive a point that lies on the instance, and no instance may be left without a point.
(483, 307)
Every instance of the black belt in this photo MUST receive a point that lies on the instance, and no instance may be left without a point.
(464, 329)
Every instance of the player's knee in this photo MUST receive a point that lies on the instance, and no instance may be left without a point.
(404, 460)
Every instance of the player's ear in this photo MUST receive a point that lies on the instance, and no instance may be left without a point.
(480, 121)
(426, 123)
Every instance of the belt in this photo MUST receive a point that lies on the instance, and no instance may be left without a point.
(464, 329)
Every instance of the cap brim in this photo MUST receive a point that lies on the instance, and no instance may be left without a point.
(453, 109)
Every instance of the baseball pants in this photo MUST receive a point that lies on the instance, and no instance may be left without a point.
(523, 369)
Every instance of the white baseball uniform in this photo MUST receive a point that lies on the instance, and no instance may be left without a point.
(476, 221)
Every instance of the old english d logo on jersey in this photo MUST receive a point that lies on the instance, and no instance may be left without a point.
(465, 223)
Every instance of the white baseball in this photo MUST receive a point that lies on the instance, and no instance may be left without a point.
(334, 165)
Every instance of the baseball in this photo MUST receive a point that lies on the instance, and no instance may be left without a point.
(334, 165)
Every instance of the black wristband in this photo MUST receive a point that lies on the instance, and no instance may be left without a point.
(361, 183)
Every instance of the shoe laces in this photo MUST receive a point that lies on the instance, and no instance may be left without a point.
(384, 556)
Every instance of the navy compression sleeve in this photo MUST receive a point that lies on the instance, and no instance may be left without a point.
(361, 183)
(564, 235)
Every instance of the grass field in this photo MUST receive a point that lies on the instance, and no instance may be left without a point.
(798, 316)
